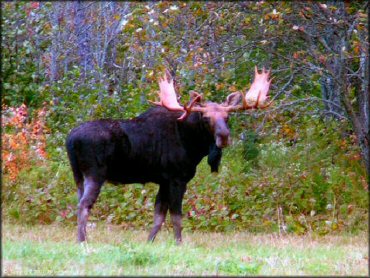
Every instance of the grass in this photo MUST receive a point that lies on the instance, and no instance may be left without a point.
(52, 250)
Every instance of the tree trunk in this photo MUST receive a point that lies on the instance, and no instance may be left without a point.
(331, 99)
(83, 30)
(54, 53)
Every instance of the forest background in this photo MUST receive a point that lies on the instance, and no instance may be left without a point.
(299, 166)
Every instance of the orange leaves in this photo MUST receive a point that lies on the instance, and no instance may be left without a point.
(117, 17)
(288, 131)
(233, 88)
(17, 117)
(357, 47)
(274, 15)
(23, 141)
(220, 86)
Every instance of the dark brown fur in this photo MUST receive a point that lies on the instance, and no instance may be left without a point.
(154, 147)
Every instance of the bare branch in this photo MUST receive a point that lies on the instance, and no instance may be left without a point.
(282, 90)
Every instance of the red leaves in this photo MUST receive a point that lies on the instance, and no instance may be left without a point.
(33, 6)
(322, 59)
(23, 142)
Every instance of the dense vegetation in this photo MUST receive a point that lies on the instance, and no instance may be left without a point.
(299, 166)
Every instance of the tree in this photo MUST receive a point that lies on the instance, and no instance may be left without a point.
(337, 50)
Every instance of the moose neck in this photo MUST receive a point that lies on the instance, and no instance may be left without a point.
(197, 135)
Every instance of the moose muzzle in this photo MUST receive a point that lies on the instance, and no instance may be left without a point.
(222, 134)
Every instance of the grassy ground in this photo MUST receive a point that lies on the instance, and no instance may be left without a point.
(52, 250)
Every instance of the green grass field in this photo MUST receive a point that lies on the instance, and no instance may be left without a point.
(52, 250)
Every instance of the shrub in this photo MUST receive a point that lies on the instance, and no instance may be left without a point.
(314, 183)
(24, 140)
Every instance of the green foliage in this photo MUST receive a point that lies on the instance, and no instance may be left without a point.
(21, 72)
(310, 185)
(299, 174)
(233, 267)
(250, 147)
(296, 188)
(41, 195)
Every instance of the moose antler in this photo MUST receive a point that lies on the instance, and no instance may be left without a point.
(257, 95)
(168, 98)
(167, 94)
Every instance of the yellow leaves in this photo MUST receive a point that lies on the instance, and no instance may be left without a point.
(129, 27)
(47, 27)
(199, 12)
(288, 132)
(189, 57)
(247, 20)
(150, 76)
(233, 88)
(362, 15)
(274, 15)
(361, 25)
(220, 86)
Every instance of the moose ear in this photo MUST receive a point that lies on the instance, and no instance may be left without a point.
(233, 99)
(195, 96)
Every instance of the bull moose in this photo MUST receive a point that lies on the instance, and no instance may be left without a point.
(163, 145)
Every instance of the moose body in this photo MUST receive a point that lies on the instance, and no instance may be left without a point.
(161, 146)
(154, 147)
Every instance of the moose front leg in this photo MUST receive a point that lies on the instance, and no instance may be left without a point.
(177, 191)
(176, 219)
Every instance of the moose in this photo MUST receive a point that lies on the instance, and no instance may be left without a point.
(163, 145)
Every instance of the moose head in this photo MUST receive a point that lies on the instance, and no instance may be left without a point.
(214, 113)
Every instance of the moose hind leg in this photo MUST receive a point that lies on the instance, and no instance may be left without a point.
(176, 195)
(90, 194)
(80, 190)
(160, 211)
